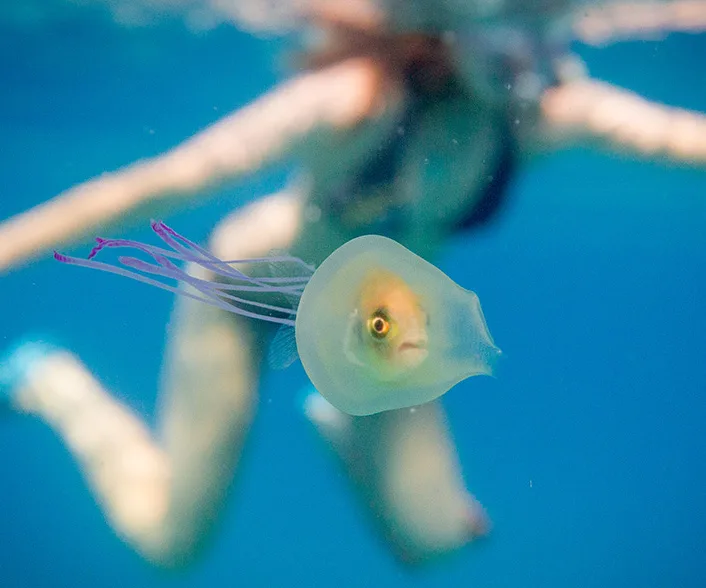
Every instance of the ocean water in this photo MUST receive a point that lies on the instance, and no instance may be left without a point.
(588, 450)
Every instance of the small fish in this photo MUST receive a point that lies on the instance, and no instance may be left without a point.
(376, 327)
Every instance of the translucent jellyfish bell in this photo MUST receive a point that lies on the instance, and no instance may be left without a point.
(376, 327)
(437, 335)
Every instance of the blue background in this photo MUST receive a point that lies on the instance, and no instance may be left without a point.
(588, 451)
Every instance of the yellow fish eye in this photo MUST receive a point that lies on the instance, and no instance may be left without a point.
(379, 324)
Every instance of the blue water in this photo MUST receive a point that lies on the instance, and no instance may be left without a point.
(588, 451)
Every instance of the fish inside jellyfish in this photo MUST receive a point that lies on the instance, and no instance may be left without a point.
(375, 326)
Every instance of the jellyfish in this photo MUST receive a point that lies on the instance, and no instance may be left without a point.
(375, 326)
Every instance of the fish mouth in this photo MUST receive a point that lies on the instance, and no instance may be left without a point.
(410, 345)
(411, 354)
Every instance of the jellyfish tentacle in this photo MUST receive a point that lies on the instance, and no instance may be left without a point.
(211, 292)
(208, 298)
(162, 255)
(106, 267)
(201, 285)
(204, 258)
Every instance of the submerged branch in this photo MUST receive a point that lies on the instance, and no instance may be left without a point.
(640, 20)
(264, 132)
(592, 112)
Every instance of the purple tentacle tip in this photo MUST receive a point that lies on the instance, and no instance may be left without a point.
(60, 257)
(160, 228)
(101, 243)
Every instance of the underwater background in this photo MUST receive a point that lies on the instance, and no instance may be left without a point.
(588, 450)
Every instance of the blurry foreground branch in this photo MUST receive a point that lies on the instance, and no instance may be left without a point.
(271, 128)
(639, 19)
(590, 112)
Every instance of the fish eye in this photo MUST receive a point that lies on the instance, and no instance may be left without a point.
(379, 324)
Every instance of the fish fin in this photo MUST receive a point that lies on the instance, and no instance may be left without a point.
(292, 272)
(283, 348)
(289, 299)
(284, 265)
